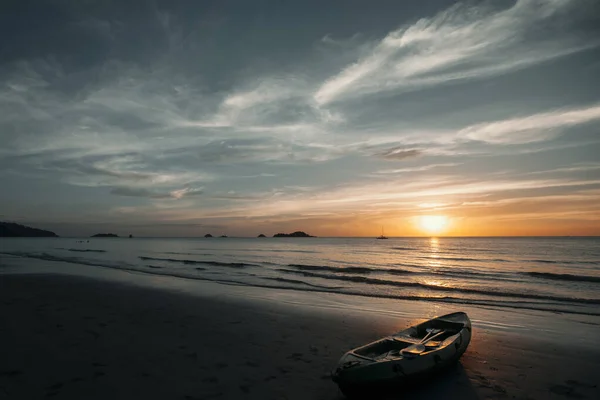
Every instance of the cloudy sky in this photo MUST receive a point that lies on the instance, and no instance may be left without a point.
(179, 118)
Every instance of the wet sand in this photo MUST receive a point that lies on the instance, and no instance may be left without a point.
(66, 337)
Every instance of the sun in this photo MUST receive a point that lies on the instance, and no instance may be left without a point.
(433, 224)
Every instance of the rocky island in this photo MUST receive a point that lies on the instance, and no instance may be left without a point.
(11, 229)
(261, 235)
(294, 234)
(105, 235)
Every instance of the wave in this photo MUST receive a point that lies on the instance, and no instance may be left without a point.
(83, 250)
(298, 282)
(376, 281)
(349, 270)
(255, 250)
(195, 262)
(401, 264)
(545, 261)
(474, 275)
(563, 277)
(404, 248)
(187, 254)
(565, 262)
(453, 258)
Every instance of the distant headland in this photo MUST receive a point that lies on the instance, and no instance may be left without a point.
(295, 234)
(11, 229)
(105, 235)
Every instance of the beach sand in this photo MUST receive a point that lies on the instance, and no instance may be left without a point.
(67, 337)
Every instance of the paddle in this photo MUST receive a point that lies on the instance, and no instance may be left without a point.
(429, 332)
(418, 348)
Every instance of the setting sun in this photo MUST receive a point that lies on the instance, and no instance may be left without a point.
(433, 224)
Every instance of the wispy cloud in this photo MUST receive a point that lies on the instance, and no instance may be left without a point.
(400, 153)
(463, 42)
(143, 192)
(531, 128)
(421, 168)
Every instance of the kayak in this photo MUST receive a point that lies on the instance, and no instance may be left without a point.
(413, 353)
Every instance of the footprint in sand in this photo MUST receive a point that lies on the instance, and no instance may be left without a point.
(573, 382)
(11, 373)
(55, 387)
(567, 391)
(98, 364)
(245, 388)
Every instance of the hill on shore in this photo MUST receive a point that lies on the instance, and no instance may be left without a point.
(11, 229)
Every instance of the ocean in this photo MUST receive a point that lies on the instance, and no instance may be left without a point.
(549, 274)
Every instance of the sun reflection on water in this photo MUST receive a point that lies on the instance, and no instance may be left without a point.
(434, 248)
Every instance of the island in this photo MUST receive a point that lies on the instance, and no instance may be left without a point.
(295, 234)
(11, 229)
(223, 236)
(105, 235)
(208, 235)
(261, 235)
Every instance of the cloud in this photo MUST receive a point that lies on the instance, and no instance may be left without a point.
(143, 192)
(138, 192)
(185, 192)
(463, 43)
(532, 128)
(400, 153)
(250, 107)
(420, 168)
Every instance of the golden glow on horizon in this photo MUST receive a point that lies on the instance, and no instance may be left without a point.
(433, 224)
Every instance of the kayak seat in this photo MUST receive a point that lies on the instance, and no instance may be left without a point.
(433, 344)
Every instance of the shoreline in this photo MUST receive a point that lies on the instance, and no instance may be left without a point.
(134, 336)
(39, 263)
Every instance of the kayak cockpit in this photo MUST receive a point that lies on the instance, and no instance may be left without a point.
(382, 349)
(420, 339)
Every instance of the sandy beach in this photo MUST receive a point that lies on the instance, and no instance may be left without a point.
(69, 337)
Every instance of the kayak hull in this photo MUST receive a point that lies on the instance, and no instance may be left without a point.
(400, 358)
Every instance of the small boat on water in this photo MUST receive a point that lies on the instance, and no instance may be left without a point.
(382, 236)
(415, 352)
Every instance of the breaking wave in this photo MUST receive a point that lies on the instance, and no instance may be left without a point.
(195, 262)
(563, 277)
(349, 270)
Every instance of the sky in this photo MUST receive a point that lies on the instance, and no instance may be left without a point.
(338, 118)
